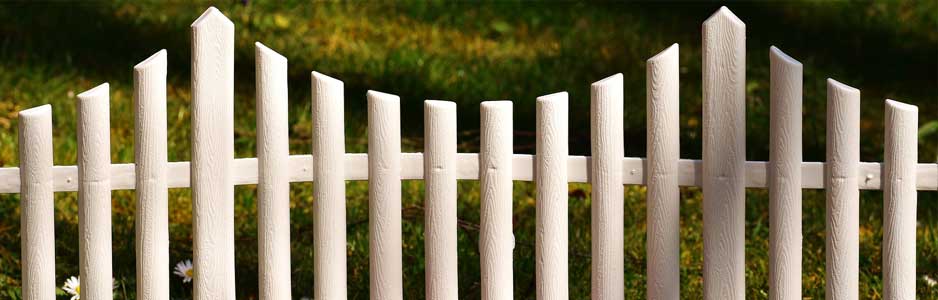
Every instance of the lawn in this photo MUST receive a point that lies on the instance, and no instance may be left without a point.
(467, 53)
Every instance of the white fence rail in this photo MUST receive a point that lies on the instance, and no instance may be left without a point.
(723, 174)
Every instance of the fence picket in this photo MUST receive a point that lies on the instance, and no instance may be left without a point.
(94, 193)
(212, 155)
(329, 189)
(784, 172)
(151, 217)
(37, 222)
(843, 195)
(439, 168)
(496, 240)
(607, 211)
(663, 244)
(384, 196)
(273, 176)
(899, 200)
(551, 212)
(724, 156)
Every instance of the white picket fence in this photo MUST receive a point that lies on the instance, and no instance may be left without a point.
(723, 174)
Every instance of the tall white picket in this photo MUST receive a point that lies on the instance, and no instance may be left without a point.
(94, 193)
(843, 196)
(496, 240)
(151, 217)
(724, 156)
(212, 155)
(899, 200)
(384, 196)
(551, 213)
(439, 168)
(328, 188)
(608, 149)
(273, 174)
(784, 176)
(37, 223)
(663, 244)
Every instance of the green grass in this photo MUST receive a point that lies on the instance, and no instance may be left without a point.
(467, 53)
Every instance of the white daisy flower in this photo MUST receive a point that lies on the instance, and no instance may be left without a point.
(72, 286)
(184, 270)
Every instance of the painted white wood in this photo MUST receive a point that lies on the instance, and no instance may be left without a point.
(496, 240)
(843, 195)
(724, 156)
(37, 207)
(784, 170)
(151, 217)
(608, 149)
(329, 191)
(439, 171)
(663, 242)
(212, 155)
(690, 172)
(273, 174)
(551, 212)
(899, 200)
(94, 193)
(384, 196)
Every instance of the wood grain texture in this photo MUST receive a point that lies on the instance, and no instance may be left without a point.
(608, 211)
(899, 201)
(690, 172)
(843, 196)
(663, 242)
(212, 155)
(439, 172)
(551, 213)
(384, 196)
(784, 175)
(273, 174)
(724, 156)
(151, 218)
(37, 207)
(94, 193)
(329, 261)
(496, 240)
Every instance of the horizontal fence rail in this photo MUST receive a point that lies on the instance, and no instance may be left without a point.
(466, 167)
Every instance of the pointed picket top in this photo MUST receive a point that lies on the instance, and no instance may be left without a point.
(725, 16)
(36, 112)
(614, 80)
(666, 54)
(380, 96)
(320, 77)
(154, 61)
(837, 87)
(776, 55)
(555, 97)
(440, 104)
(265, 53)
(95, 93)
(211, 17)
(900, 106)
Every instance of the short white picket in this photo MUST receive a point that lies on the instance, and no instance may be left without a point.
(723, 173)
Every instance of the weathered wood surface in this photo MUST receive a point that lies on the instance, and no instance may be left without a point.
(212, 156)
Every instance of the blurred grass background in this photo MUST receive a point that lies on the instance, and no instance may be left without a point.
(467, 53)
